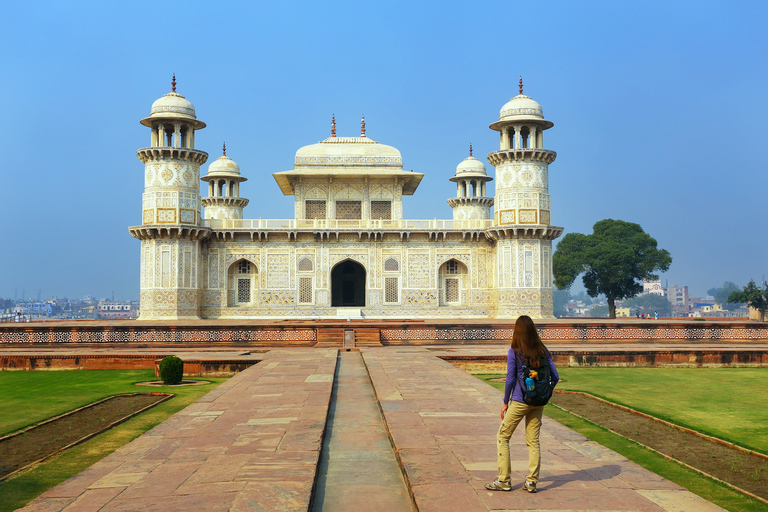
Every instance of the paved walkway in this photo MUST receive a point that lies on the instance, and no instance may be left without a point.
(254, 443)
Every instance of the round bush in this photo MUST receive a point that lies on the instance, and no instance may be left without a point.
(171, 370)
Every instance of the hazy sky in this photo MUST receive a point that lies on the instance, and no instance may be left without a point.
(659, 111)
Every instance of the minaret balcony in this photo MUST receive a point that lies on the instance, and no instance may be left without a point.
(154, 154)
(172, 232)
(536, 232)
(471, 200)
(519, 155)
(240, 202)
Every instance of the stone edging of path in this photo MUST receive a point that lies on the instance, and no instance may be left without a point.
(159, 383)
(678, 427)
(167, 396)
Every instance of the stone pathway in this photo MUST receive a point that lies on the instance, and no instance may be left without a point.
(358, 469)
(443, 423)
(254, 443)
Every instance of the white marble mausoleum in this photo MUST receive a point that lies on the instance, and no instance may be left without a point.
(349, 251)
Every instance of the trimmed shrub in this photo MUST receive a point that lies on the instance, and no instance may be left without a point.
(171, 370)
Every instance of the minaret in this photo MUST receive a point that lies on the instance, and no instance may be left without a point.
(470, 201)
(224, 201)
(171, 228)
(521, 224)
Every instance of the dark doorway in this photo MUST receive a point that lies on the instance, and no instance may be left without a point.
(348, 285)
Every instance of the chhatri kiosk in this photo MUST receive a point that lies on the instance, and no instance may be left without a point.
(348, 251)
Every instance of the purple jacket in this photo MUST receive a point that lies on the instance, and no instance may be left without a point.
(515, 376)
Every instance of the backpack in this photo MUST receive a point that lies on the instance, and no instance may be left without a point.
(536, 385)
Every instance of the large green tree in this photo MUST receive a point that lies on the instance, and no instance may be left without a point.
(754, 295)
(614, 259)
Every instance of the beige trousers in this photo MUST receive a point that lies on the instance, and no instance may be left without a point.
(516, 412)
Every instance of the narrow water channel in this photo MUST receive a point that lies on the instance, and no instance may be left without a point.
(358, 470)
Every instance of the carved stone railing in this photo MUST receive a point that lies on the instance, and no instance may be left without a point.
(342, 224)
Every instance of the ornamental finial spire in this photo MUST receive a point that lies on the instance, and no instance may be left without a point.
(333, 125)
(224, 149)
(521, 85)
(470, 149)
(173, 83)
(362, 127)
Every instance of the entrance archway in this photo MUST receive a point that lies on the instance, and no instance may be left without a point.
(348, 285)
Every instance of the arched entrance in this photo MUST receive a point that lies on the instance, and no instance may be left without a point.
(348, 285)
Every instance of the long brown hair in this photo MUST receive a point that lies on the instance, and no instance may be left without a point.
(526, 341)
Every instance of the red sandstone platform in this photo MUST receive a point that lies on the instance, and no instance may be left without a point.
(254, 442)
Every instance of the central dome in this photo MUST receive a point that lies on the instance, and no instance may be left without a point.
(348, 151)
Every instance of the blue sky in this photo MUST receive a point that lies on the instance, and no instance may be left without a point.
(659, 111)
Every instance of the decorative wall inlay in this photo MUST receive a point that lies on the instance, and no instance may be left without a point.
(278, 271)
(527, 216)
(166, 215)
(418, 270)
(277, 298)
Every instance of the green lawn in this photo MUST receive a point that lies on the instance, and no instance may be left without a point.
(29, 397)
(729, 403)
(708, 400)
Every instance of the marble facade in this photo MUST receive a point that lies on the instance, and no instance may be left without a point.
(348, 251)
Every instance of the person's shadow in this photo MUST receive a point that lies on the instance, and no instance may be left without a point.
(594, 474)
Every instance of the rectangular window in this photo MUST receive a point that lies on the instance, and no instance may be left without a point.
(452, 290)
(349, 210)
(390, 290)
(381, 210)
(243, 290)
(305, 290)
(314, 210)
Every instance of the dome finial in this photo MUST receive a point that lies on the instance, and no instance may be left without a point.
(362, 127)
(173, 83)
(470, 149)
(521, 85)
(224, 149)
(333, 125)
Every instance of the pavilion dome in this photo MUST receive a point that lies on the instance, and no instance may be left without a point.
(520, 107)
(471, 166)
(173, 106)
(223, 166)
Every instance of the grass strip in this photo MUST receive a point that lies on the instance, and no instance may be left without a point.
(23, 488)
(707, 488)
(32, 397)
(719, 402)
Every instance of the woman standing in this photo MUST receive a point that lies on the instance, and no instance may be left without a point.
(528, 349)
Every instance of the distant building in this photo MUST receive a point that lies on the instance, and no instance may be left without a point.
(678, 297)
(654, 287)
(112, 309)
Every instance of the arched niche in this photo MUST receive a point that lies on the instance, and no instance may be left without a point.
(348, 284)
